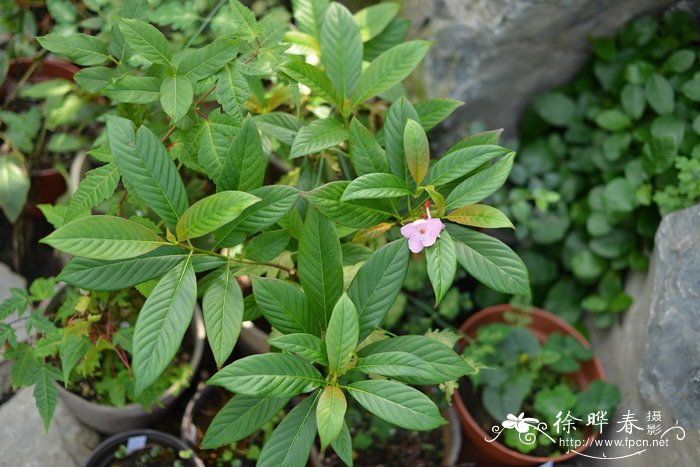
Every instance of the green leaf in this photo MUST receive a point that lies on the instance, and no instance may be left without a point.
(80, 48)
(433, 111)
(239, 418)
(618, 196)
(481, 184)
(319, 135)
(442, 265)
(309, 14)
(222, 307)
(394, 123)
(659, 94)
(71, 350)
(147, 169)
(373, 19)
(490, 261)
(271, 375)
(612, 120)
(480, 215)
(290, 443)
(377, 284)
(393, 34)
(555, 108)
(417, 150)
(366, 154)
(104, 237)
(691, 89)
(146, 40)
(306, 345)
(45, 392)
(162, 323)
(330, 414)
(198, 64)
(212, 212)
(397, 365)
(247, 26)
(389, 69)
(375, 185)
(232, 90)
(356, 214)
(633, 101)
(284, 305)
(176, 96)
(7, 335)
(25, 365)
(98, 185)
(341, 48)
(342, 445)
(397, 403)
(315, 79)
(246, 162)
(14, 187)
(217, 134)
(320, 265)
(133, 89)
(342, 334)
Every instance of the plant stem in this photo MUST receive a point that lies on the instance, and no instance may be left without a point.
(27, 74)
(206, 22)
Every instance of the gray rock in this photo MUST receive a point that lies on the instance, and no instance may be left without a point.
(8, 280)
(495, 55)
(23, 441)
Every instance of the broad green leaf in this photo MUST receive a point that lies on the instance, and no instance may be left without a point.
(98, 185)
(266, 246)
(490, 261)
(373, 19)
(319, 135)
(309, 14)
(375, 185)
(212, 212)
(341, 335)
(330, 414)
(356, 214)
(442, 265)
(7, 335)
(489, 138)
(342, 445)
(462, 161)
(146, 40)
(80, 48)
(398, 365)
(394, 123)
(417, 150)
(241, 417)
(45, 392)
(320, 265)
(290, 443)
(366, 154)
(247, 27)
(659, 94)
(612, 120)
(481, 184)
(92, 274)
(147, 169)
(246, 162)
(176, 96)
(284, 305)
(433, 111)
(71, 350)
(341, 48)
(480, 215)
(14, 186)
(394, 34)
(96, 78)
(198, 64)
(397, 403)
(280, 126)
(633, 101)
(377, 284)
(162, 324)
(555, 108)
(222, 307)
(389, 69)
(271, 375)
(315, 79)
(306, 345)
(232, 90)
(25, 365)
(133, 89)
(104, 237)
(218, 132)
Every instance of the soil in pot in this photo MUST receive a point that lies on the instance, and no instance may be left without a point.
(142, 448)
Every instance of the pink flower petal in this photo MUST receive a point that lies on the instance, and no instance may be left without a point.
(415, 244)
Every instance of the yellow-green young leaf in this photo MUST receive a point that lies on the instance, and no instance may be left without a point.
(437, 199)
(480, 185)
(415, 145)
(162, 324)
(319, 135)
(480, 215)
(372, 20)
(98, 185)
(104, 237)
(342, 335)
(176, 96)
(212, 212)
(370, 233)
(341, 48)
(146, 40)
(80, 48)
(330, 414)
(14, 186)
(222, 307)
(377, 185)
(442, 265)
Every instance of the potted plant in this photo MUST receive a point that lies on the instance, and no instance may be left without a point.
(142, 448)
(80, 349)
(538, 376)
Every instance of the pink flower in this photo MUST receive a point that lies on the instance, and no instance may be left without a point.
(422, 233)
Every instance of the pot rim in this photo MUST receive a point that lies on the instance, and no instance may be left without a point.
(470, 326)
(161, 437)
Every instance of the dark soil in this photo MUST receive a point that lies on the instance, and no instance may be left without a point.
(153, 455)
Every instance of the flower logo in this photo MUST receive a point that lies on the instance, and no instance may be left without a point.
(520, 423)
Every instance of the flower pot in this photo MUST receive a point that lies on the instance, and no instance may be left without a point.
(104, 453)
(195, 421)
(252, 339)
(542, 324)
(110, 419)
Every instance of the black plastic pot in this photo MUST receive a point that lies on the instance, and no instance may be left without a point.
(103, 455)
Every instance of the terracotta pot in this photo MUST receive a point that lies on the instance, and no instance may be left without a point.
(542, 324)
(103, 455)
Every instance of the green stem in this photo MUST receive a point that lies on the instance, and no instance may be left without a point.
(206, 22)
